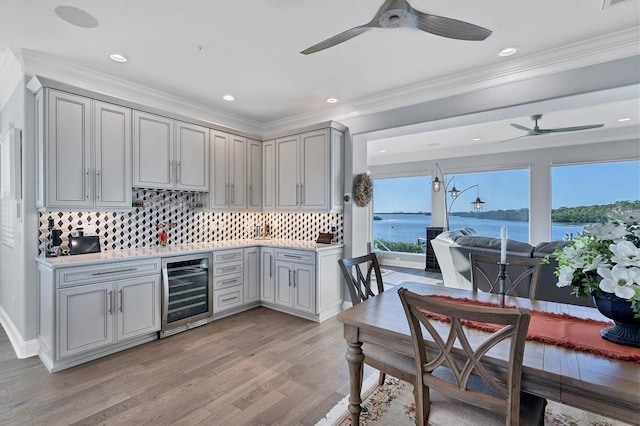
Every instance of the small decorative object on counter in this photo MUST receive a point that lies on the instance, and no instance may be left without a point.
(163, 236)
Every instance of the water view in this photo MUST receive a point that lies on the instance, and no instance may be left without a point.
(408, 227)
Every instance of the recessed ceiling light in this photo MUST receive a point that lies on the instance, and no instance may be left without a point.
(508, 51)
(624, 119)
(228, 98)
(75, 16)
(383, 150)
(475, 139)
(331, 100)
(118, 57)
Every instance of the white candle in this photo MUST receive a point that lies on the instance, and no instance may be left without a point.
(503, 245)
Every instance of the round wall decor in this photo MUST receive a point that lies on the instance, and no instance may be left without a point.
(362, 189)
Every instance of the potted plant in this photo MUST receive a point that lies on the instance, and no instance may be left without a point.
(603, 261)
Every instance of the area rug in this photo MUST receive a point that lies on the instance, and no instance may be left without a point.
(393, 404)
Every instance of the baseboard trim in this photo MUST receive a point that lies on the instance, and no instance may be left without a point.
(22, 348)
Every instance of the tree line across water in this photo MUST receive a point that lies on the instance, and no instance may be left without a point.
(580, 214)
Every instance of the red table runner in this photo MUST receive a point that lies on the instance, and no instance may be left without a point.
(557, 329)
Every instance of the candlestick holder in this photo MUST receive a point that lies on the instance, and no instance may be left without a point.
(502, 277)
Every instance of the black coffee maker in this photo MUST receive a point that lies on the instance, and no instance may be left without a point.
(53, 239)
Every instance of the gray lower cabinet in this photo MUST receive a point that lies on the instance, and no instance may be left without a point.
(96, 315)
(88, 312)
(267, 274)
(228, 280)
(294, 285)
(305, 283)
(251, 275)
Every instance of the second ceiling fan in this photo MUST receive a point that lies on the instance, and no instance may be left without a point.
(537, 131)
(399, 13)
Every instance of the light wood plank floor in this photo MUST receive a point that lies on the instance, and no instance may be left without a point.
(257, 367)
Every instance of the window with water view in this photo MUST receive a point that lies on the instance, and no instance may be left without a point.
(402, 207)
(585, 193)
(581, 194)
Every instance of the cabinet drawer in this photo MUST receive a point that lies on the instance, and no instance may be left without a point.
(227, 299)
(106, 272)
(228, 268)
(228, 281)
(227, 255)
(297, 256)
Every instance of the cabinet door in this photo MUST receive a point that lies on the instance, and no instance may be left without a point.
(316, 169)
(251, 275)
(238, 172)
(267, 275)
(69, 180)
(192, 157)
(287, 196)
(283, 284)
(153, 162)
(85, 318)
(269, 175)
(112, 135)
(138, 306)
(254, 175)
(304, 288)
(219, 185)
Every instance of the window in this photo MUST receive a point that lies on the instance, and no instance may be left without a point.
(584, 193)
(401, 212)
(506, 203)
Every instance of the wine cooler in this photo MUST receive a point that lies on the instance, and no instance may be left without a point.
(187, 292)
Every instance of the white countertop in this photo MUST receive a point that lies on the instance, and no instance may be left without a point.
(176, 250)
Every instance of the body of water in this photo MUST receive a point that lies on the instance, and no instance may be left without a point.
(408, 227)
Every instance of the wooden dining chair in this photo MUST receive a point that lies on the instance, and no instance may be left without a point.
(485, 269)
(454, 383)
(359, 283)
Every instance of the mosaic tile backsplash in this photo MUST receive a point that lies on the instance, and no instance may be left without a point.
(139, 227)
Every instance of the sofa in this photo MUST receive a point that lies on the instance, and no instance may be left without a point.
(452, 249)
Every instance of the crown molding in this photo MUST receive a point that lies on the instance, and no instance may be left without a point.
(602, 49)
(12, 73)
(36, 63)
(619, 45)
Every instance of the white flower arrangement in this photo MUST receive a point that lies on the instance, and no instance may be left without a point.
(604, 258)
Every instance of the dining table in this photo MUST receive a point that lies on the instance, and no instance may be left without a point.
(599, 384)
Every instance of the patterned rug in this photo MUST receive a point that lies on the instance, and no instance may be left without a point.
(393, 404)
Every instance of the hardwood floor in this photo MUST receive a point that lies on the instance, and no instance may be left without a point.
(260, 367)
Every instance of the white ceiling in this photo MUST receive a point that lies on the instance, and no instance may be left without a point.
(202, 50)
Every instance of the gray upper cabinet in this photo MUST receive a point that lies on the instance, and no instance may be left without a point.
(153, 158)
(192, 157)
(112, 135)
(309, 171)
(83, 152)
(229, 176)
(169, 154)
(254, 175)
(269, 175)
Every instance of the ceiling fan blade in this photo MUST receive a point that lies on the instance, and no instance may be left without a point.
(450, 28)
(519, 127)
(572, 129)
(337, 39)
(513, 139)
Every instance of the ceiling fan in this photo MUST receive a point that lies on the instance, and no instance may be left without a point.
(537, 131)
(399, 13)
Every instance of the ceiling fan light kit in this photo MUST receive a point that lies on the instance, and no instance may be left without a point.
(399, 13)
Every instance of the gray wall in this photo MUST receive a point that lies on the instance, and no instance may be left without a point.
(17, 272)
